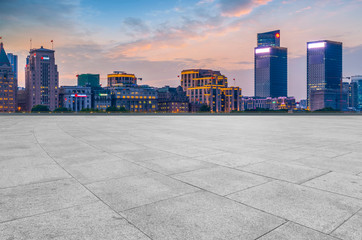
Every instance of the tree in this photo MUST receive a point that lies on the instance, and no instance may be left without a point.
(112, 109)
(40, 108)
(123, 109)
(205, 108)
(61, 109)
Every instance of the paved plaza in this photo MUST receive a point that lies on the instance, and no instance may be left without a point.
(181, 177)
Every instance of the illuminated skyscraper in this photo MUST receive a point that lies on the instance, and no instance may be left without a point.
(271, 66)
(8, 84)
(324, 67)
(41, 79)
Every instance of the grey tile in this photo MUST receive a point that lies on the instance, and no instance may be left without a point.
(201, 216)
(221, 180)
(146, 154)
(174, 165)
(233, 159)
(11, 176)
(316, 209)
(93, 221)
(38, 198)
(296, 232)
(345, 184)
(130, 192)
(100, 171)
(350, 230)
(284, 171)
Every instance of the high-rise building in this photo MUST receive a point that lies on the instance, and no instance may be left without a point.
(324, 71)
(8, 84)
(120, 78)
(13, 59)
(271, 66)
(41, 79)
(89, 80)
(208, 87)
(356, 82)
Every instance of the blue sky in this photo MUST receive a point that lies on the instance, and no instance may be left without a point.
(157, 39)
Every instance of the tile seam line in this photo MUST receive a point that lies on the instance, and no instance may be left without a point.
(272, 230)
(86, 188)
(346, 220)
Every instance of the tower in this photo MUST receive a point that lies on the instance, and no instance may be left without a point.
(8, 83)
(41, 79)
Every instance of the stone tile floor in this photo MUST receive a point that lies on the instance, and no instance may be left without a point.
(181, 177)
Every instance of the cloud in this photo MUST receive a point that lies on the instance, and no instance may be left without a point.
(136, 24)
(304, 9)
(238, 8)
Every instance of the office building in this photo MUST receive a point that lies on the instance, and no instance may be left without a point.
(357, 91)
(13, 59)
(8, 84)
(88, 80)
(270, 66)
(120, 78)
(101, 98)
(75, 98)
(208, 87)
(280, 103)
(41, 79)
(134, 98)
(324, 72)
(172, 100)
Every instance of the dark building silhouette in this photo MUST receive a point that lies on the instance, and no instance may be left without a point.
(8, 84)
(271, 66)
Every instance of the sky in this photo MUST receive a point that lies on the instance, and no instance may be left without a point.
(157, 39)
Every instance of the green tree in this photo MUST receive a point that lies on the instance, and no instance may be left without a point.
(205, 108)
(40, 108)
(61, 109)
(112, 109)
(123, 109)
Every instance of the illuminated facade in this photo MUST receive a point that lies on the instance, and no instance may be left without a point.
(324, 70)
(208, 87)
(270, 66)
(41, 79)
(172, 100)
(101, 98)
(8, 84)
(13, 59)
(119, 78)
(75, 98)
(280, 103)
(134, 99)
(356, 91)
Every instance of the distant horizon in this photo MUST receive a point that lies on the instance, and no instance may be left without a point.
(156, 41)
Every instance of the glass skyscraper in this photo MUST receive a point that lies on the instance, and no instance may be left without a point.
(324, 68)
(271, 66)
(13, 59)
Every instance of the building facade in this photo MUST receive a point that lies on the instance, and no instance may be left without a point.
(21, 99)
(280, 103)
(356, 82)
(42, 79)
(270, 66)
(324, 71)
(120, 78)
(172, 100)
(13, 59)
(75, 98)
(101, 98)
(134, 98)
(8, 84)
(208, 87)
(88, 80)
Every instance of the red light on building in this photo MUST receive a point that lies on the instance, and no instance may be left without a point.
(277, 35)
(77, 75)
(76, 95)
(42, 58)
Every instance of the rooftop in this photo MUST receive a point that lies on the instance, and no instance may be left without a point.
(181, 177)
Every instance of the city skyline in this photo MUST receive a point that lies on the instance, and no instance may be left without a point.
(157, 41)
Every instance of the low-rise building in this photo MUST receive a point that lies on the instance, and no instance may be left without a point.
(75, 98)
(172, 100)
(101, 98)
(280, 103)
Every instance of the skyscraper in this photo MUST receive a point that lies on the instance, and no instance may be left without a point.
(271, 66)
(41, 79)
(8, 84)
(324, 68)
(13, 59)
(356, 82)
